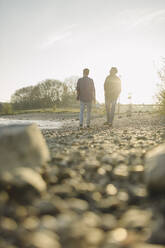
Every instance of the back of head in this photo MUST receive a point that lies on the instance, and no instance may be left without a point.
(113, 71)
(86, 72)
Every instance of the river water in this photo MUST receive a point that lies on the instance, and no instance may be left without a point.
(42, 124)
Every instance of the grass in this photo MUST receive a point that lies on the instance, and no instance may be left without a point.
(45, 110)
(53, 110)
(70, 110)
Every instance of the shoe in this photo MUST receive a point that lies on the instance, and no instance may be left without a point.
(81, 126)
(106, 123)
(88, 126)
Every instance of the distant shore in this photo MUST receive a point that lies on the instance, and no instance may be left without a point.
(71, 119)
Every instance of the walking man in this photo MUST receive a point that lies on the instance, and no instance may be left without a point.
(85, 94)
(112, 89)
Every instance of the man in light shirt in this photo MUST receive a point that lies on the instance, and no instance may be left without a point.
(112, 89)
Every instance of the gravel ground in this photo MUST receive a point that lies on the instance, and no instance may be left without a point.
(96, 194)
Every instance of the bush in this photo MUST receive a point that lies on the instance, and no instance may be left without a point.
(161, 94)
(54, 108)
(161, 99)
(7, 109)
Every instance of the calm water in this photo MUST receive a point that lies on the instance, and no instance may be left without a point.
(41, 124)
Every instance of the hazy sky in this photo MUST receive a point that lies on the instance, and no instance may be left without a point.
(42, 39)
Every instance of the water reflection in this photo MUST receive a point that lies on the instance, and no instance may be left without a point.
(43, 124)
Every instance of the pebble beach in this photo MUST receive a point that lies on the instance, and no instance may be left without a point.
(96, 194)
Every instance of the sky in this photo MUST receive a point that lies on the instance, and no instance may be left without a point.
(41, 39)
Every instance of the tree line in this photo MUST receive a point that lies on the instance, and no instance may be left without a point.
(49, 93)
(52, 93)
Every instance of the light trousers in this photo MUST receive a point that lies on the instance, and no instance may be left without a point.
(110, 110)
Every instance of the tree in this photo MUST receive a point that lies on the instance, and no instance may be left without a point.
(21, 98)
(43, 95)
(7, 108)
(69, 91)
(50, 92)
(46, 94)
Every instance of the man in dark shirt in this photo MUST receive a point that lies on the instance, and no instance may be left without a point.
(112, 89)
(85, 94)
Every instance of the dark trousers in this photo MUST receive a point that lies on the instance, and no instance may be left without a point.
(88, 105)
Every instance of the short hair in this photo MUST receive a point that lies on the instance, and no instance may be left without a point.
(113, 70)
(86, 71)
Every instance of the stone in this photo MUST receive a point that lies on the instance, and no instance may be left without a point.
(91, 219)
(49, 222)
(157, 235)
(108, 222)
(45, 207)
(42, 239)
(144, 245)
(109, 204)
(155, 169)
(135, 219)
(77, 205)
(94, 237)
(8, 224)
(22, 146)
(121, 171)
(23, 176)
(118, 235)
(24, 182)
(30, 223)
(7, 244)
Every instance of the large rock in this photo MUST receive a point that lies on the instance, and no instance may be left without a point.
(155, 169)
(157, 235)
(22, 146)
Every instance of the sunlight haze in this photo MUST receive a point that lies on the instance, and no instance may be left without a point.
(57, 39)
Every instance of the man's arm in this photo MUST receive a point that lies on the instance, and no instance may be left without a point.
(119, 86)
(105, 85)
(94, 92)
(78, 90)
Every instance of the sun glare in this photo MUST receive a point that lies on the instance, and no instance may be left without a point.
(138, 75)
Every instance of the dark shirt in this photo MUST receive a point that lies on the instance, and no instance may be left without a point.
(85, 89)
(112, 87)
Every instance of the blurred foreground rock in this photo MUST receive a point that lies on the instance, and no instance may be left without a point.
(155, 169)
(22, 146)
(155, 180)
